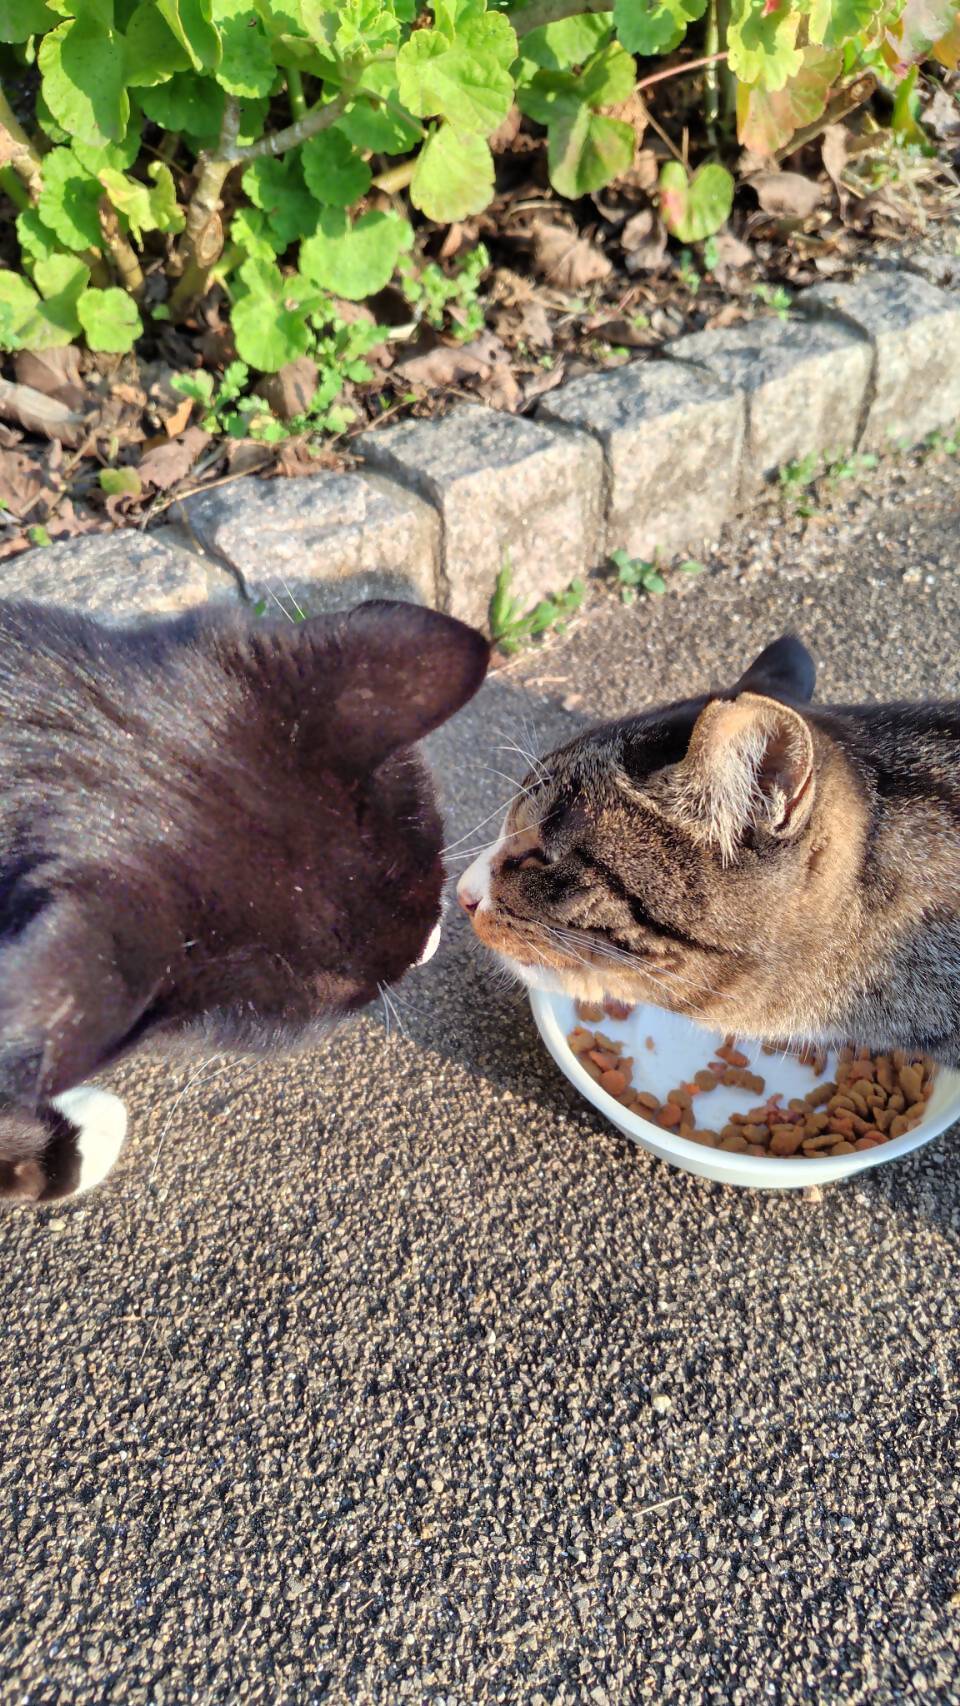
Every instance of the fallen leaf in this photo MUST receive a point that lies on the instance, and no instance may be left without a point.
(506, 133)
(731, 252)
(633, 112)
(447, 364)
(942, 114)
(616, 329)
(833, 150)
(291, 391)
(174, 424)
(787, 195)
(164, 467)
(545, 379)
(38, 413)
(22, 481)
(644, 241)
(529, 324)
(501, 390)
(644, 174)
(55, 372)
(569, 261)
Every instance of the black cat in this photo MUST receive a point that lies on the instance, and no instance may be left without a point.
(211, 827)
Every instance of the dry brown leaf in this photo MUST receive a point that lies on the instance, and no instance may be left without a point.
(175, 424)
(291, 391)
(569, 261)
(506, 134)
(644, 241)
(168, 463)
(501, 390)
(633, 112)
(617, 329)
(528, 324)
(22, 481)
(545, 379)
(447, 364)
(55, 372)
(787, 195)
(833, 150)
(29, 408)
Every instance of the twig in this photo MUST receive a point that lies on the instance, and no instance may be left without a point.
(204, 486)
(845, 102)
(313, 121)
(680, 70)
(17, 150)
(129, 270)
(536, 13)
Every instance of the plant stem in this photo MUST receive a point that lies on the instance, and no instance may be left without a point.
(315, 119)
(129, 270)
(680, 70)
(17, 150)
(11, 186)
(728, 82)
(711, 82)
(536, 13)
(395, 177)
(203, 233)
(298, 104)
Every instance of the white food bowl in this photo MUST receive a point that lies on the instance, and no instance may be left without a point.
(681, 1049)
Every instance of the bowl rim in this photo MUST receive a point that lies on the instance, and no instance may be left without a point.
(780, 1167)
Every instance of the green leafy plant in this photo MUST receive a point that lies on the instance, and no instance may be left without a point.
(448, 299)
(511, 627)
(292, 113)
(776, 298)
(641, 574)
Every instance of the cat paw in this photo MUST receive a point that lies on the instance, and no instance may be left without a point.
(67, 1148)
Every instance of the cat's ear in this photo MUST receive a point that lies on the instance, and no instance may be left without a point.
(401, 671)
(749, 766)
(784, 668)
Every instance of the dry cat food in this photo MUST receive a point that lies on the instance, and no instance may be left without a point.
(871, 1099)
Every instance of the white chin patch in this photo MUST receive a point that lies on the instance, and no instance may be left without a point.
(433, 943)
(101, 1122)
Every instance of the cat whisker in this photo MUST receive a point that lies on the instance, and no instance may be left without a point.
(281, 607)
(301, 613)
(191, 1081)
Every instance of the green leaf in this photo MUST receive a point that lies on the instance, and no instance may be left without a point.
(694, 208)
(834, 22)
(21, 19)
(37, 240)
(18, 302)
(462, 80)
(654, 582)
(250, 230)
(119, 156)
(917, 28)
(190, 22)
(335, 173)
(109, 319)
(28, 322)
(246, 64)
(278, 188)
(571, 41)
(152, 52)
(587, 151)
(655, 26)
(355, 259)
(69, 200)
(691, 567)
(763, 44)
(61, 277)
(453, 176)
(146, 208)
(120, 482)
(267, 335)
(766, 120)
(83, 80)
(608, 78)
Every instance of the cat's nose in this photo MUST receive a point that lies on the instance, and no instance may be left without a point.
(468, 900)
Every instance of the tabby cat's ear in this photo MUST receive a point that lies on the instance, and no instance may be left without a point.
(403, 670)
(784, 668)
(749, 766)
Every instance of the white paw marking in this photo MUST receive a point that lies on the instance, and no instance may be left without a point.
(101, 1121)
(433, 943)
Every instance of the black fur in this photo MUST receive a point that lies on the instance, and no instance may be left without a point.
(209, 825)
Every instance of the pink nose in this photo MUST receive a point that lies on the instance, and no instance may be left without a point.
(468, 901)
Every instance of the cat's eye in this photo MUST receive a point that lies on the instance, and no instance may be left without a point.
(532, 860)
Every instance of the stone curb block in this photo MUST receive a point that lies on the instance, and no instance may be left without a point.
(804, 384)
(506, 489)
(657, 454)
(322, 542)
(118, 577)
(914, 329)
(671, 440)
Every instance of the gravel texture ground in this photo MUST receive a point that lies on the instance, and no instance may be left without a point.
(391, 1373)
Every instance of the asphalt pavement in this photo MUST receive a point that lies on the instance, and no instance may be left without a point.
(391, 1373)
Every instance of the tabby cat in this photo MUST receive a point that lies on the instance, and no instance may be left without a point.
(765, 868)
(212, 829)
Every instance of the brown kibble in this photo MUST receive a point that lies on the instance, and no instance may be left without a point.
(755, 1083)
(680, 1096)
(786, 1139)
(617, 1009)
(670, 1115)
(898, 1126)
(754, 1133)
(589, 1013)
(841, 1148)
(580, 1040)
(650, 1044)
(734, 1145)
(731, 1055)
(615, 1083)
(820, 1093)
(646, 1100)
(819, 1145)
(705, 1080)
(911, 1082)
(600, 1057)
(708, 1138)
(866, 1143)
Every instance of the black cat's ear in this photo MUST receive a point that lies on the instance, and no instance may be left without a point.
(401, 671)
(750, 766)
(784, 668)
